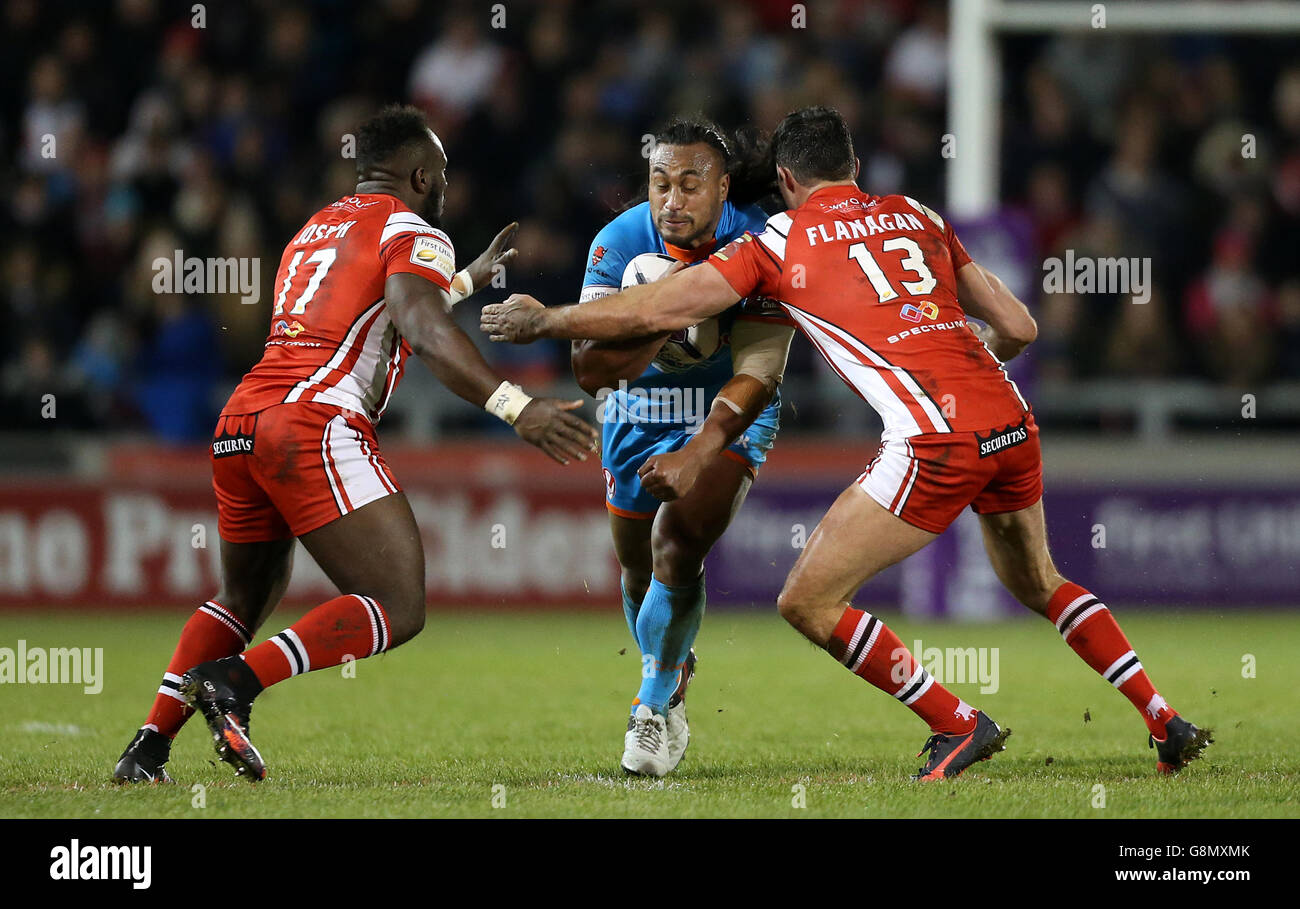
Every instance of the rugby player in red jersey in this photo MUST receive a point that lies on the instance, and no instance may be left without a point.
(881, 286)
(366, 282)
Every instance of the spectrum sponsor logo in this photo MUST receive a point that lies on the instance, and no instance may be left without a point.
(913, 313)
(921, 329)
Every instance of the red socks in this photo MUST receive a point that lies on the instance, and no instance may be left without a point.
(862, 642)
(351, 625)
(347, 626)
(1092, 632)
(210, 634)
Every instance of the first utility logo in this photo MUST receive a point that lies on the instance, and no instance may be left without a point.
(76, 862)
(25, 665)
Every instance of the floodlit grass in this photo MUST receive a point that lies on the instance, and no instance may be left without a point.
(531, 709)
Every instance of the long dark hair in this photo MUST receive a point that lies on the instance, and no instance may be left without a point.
(745, 153)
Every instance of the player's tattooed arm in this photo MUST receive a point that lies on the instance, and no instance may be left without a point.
(672, 475)
(418, 308)
(676, 302)
(1010, 327)
(759, 351)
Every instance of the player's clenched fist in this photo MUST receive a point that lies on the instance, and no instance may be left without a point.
(670, 475)
(517, 320)
(547, 423)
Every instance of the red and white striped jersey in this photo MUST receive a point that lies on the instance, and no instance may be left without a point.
(871, 281)
(331, 339)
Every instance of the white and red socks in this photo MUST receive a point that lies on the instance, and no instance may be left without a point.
(871, 651)
(1092, 632)
(211, 633)
(346, 627)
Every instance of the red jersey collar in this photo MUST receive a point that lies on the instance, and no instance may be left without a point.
(837, 189)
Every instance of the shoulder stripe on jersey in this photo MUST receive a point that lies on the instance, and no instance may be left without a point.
(905, 379)
(780, 222)
(406, 227)
(775, 234)
(926, 210)
(778, 258)
(340, 355)
(410, 218)
(774, 242)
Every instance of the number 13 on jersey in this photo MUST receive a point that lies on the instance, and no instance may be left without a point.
(914, 262)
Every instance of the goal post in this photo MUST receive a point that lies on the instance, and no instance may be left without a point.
(975, 65)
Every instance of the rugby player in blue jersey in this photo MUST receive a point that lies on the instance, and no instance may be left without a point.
(684, 430)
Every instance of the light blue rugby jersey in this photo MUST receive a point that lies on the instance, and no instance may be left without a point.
(633, 233)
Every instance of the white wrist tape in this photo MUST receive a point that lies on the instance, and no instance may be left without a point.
(462, 286)
(507, 402)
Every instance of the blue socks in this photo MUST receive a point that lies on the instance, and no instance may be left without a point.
(631, 608)
(666, 625)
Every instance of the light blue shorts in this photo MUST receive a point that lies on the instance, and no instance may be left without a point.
(625, 446)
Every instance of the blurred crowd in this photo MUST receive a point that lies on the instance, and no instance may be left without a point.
(134, 128)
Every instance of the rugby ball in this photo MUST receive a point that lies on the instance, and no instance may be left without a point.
(688, 347)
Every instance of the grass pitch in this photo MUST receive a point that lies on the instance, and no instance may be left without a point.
(512, 715)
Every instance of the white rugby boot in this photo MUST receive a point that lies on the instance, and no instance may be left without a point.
(645, 745)
(679, 730)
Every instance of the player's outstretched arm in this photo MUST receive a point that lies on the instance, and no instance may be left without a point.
(676, 302)
(983, 295)
(418, 308)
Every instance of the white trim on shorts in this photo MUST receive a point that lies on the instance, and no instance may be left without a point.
(352, 467)
(895, 468)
